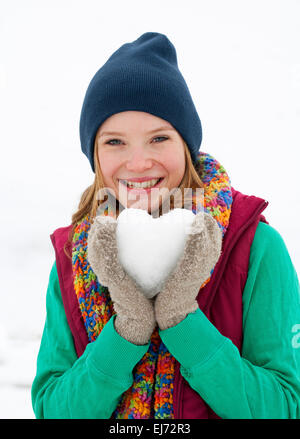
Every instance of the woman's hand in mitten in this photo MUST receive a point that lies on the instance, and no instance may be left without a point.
(201, 253)
(135, 320)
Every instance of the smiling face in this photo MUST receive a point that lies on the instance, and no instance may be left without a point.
(138, 151)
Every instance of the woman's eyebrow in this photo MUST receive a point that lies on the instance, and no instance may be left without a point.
(115, 133)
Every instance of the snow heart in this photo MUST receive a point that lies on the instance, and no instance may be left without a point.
(149, 248)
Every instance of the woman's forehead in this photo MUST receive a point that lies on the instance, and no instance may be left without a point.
(126, 121)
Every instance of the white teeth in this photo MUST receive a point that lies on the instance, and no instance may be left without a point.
(144, 184)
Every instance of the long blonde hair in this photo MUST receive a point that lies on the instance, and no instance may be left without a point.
(89, 201)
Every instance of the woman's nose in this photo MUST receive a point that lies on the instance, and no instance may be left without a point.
(138, 161)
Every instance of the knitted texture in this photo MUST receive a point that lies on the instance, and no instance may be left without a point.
(141, 75)
(151, 394)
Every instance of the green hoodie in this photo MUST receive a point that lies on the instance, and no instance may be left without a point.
(263, 382)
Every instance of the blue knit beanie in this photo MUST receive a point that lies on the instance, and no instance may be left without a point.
(140, 76)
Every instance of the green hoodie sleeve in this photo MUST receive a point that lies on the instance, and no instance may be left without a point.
(68, 387)
(264, 381)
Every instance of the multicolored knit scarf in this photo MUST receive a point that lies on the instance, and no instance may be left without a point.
(151, 394)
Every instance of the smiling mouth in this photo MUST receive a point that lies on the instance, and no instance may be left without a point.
(149, 184)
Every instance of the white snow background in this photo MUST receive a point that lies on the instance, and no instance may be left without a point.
(241, 61)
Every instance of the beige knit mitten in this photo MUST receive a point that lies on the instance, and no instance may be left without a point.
(135, 320)
(201, 253)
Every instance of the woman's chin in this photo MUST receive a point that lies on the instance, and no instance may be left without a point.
(143, 203)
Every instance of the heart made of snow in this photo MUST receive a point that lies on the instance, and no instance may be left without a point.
(149, 248)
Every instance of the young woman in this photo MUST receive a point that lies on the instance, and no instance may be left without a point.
(220, 339)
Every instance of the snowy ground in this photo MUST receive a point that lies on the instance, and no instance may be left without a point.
(241, 62)
(17, 372)
(20, 334)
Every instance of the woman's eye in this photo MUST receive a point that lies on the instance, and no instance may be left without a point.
(160, 137)
(113, 140)
(118, 140)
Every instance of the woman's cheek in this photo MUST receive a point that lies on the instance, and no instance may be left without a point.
(174, 158)
(176, 171)
(108, 168)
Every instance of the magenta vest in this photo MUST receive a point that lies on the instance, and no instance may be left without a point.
(220, 299)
